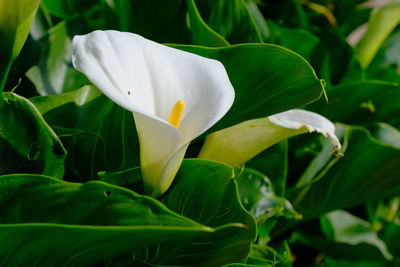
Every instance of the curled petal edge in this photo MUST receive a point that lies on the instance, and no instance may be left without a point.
(237, 144)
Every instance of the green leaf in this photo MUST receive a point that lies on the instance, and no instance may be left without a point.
(387, 53)
(141, 17)
(201, 33)
(383, 212)
(320, 161)
(55, 74)
(273, 162)
(381, 23)
(27, 143)
(79, 98)
(391, 237)
(233, 20)
(361, 263)
(249, 265)
(259, 20)
(384, 72)
(334, 57)
(205, 192)
(386, 134)
(361, 102)
(15, 21)
(298, 40)
(343, 227)
(56, 223)
(355, 243)
(368, 171)
(258, 196)
(311, 48)
(67, 10)
(130, 178)
(268, 79)
(110, 142)
(263, 255)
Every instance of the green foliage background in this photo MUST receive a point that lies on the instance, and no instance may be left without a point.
(71, 189)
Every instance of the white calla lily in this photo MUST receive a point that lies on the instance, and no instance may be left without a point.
(241, 142)
(174, 95)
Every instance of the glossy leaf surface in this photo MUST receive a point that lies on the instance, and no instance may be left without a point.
(27, 143)
(267, 79)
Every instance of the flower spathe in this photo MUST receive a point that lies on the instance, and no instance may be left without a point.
(239, 143)
(174, 95)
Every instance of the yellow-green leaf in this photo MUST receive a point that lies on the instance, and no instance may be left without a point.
(381, 23)
(16, 17)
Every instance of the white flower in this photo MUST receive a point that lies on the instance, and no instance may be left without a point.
(174, 95)
(241, 142)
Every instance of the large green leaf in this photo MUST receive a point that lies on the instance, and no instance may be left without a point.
(99, 135)
(48, 222)
(368, 171)
(27, 143)
(205, 192)
(267, 79)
